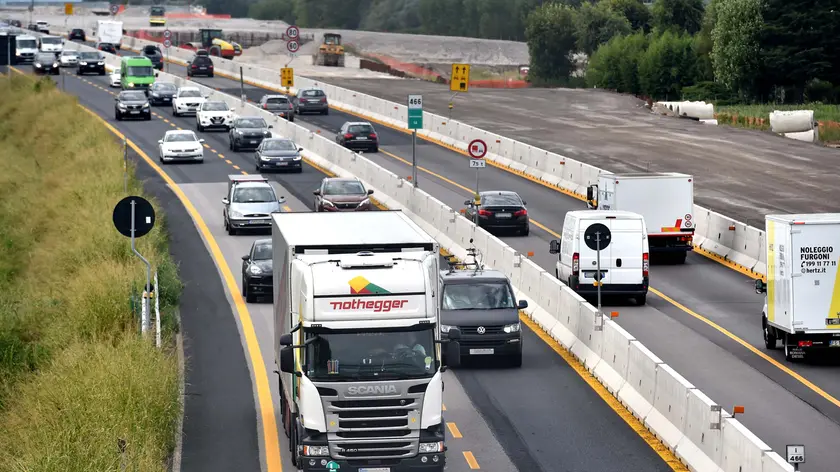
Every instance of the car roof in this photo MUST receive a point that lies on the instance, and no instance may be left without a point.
(262, 242)
(250, 117)
(180, 131)
(342, 179)
(190, 88)
(351, 123)
(463, 275)
(498, 192)
(26, 36)
(254, 184)
(215, 101)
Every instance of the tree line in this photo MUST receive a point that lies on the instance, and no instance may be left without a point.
(726, 50)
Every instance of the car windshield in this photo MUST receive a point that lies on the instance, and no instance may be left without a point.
(116, 71)
(360, 129)
(150, 50)
(262, 251)
(251, 123)
(140, 71)
(477, 296)
(164, 87)
(180, 137)
(344, 187)
(277, 101)
(348, 356)
(132, 96)
(254, 195)
(89, 56)
(45, 58)
(313, 93)
(26, 44)
(190, 93)
(505, 199)
(215, 106)
(280, 145)
(68, 53)
(51, 40)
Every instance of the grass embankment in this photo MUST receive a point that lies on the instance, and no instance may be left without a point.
(75, 376)
(758, 117)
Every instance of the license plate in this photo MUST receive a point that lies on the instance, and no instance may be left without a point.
(375, 469)
(481, 351)
(255, 222)
(253, 141)
(502, 215)
(281, 163)
(203, 68)
(135, 112)
(361, 138)
(167, 99)
(834, 343)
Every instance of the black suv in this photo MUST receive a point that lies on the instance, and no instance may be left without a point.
(358, 135)
(107, 47)
(481, 304)
(155, 55)
(132, 104)
(200, 65)
(161, 93)
(248, 132)
(91, 62)
(46, 63)
(77, 34)
(257, 275)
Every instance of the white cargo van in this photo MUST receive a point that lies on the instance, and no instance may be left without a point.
(26, 47)
(802, 307)
(664, 199)
(624, 263)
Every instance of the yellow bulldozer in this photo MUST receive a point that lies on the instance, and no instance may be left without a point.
(330, 52)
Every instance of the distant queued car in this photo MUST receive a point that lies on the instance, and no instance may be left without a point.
(132, 104)
(77, 34)
(358, 135)
(311, 100)
(91, 63)
(161, 93)
(107, 47)
(155, 55)
(45, 63)
(278, 154)
(200, 65)
(280, 105)
(500, 210)
(115, 79)
(342, 194)
(180, 145)
(257, 275)
(248, 132)
(68, 58)
(187, 100)
(213, 114)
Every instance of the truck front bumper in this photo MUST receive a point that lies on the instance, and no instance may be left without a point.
(413, 464)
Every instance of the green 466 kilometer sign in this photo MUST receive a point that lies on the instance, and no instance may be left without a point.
(415, 112)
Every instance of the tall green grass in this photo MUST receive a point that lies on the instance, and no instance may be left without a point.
(75, 376)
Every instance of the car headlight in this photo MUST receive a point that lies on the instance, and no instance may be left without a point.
(263, 158)
(37, 65)
(155, 94)
(512, 328)
(235, 214)
(316, 450)
(131, 84)
(146, 105)
(239, 132)
(101, 63)
(297, 157)
(328, 203)
(267, 132)
(364, 202)
(17, 53)
(83, 63)
(121, 105)
(55, 64)
(255, 270)
(426, 448)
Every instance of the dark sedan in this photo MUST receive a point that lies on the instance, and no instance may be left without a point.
(132, 104)
(279, 105)
(311, 100)
(161, 93)
(500, 210)
(77, 34)
(46, 63)
(155, 55)
(107, 47)
(257, 277)
(278, 154)
(248, 132)
(91, 63)
(342, 194)
(358, 135)
(200, 65)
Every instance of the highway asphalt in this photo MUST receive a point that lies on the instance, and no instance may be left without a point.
(703, 318)
(554, 424)
(743, 174)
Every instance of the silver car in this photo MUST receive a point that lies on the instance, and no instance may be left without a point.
(68, 58)
(249, 203)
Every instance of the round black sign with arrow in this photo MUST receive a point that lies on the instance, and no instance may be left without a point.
(597, 237)
(144, 216)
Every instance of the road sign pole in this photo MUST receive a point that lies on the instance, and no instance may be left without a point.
(144, 316)
(598, 268)
(125, 165)
(414, 157)
(242, 86)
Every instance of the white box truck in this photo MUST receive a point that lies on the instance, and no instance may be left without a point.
(802, 306)
(358, 342)
(664, 199)
(108, 31)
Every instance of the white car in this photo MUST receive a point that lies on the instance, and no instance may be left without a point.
(68, 58)
(213, 114)
(187, 100)
(115, 78)
(180, 145)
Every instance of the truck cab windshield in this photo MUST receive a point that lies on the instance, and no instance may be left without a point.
(371, 355)
(139, 71)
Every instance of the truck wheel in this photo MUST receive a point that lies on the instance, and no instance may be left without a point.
(641, 299)
(679, 258)
(769, 335)
(293, 447)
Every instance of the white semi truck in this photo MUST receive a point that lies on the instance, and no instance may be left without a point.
(358, 342)
(802, 306)
(664, 199)
(109, 31)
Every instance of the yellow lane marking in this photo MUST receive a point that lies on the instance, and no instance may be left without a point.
(751, 348)
(235, 166)
(228, 161)
(608, 398)
(287, 208)
(207, 146)
(443, 407)
(454, 431)
(221, 155)
(266, 406)
(471, 460)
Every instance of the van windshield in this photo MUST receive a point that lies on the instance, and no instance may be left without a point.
(139, 71)
(26, 44)
(477, 296)
(51, 40)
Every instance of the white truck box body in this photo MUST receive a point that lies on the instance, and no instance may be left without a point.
(665, 200)
(803, 287)
(108, 31)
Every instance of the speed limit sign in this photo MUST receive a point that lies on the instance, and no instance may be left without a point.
(167, 34)
(292, 32)
(292, 46)
(167, 43)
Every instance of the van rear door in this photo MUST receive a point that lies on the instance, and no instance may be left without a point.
(626, 249)
(588, 257)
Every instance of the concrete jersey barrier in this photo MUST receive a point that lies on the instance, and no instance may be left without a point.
(700, 433)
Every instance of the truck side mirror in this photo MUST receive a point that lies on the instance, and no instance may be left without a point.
(760, 286)
(287, 360)
(554, 247)
(591, 193)
(523, 304)
(286, 339)
(453, 353)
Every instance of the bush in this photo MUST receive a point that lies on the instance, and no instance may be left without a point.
(710, 92)
(668, 65)
(614, 65)
(551, 41)
(74, 375)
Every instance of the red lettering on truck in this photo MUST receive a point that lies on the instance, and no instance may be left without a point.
(362, 304)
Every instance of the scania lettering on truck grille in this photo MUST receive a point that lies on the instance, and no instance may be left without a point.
(377, 306)
(372, 390)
